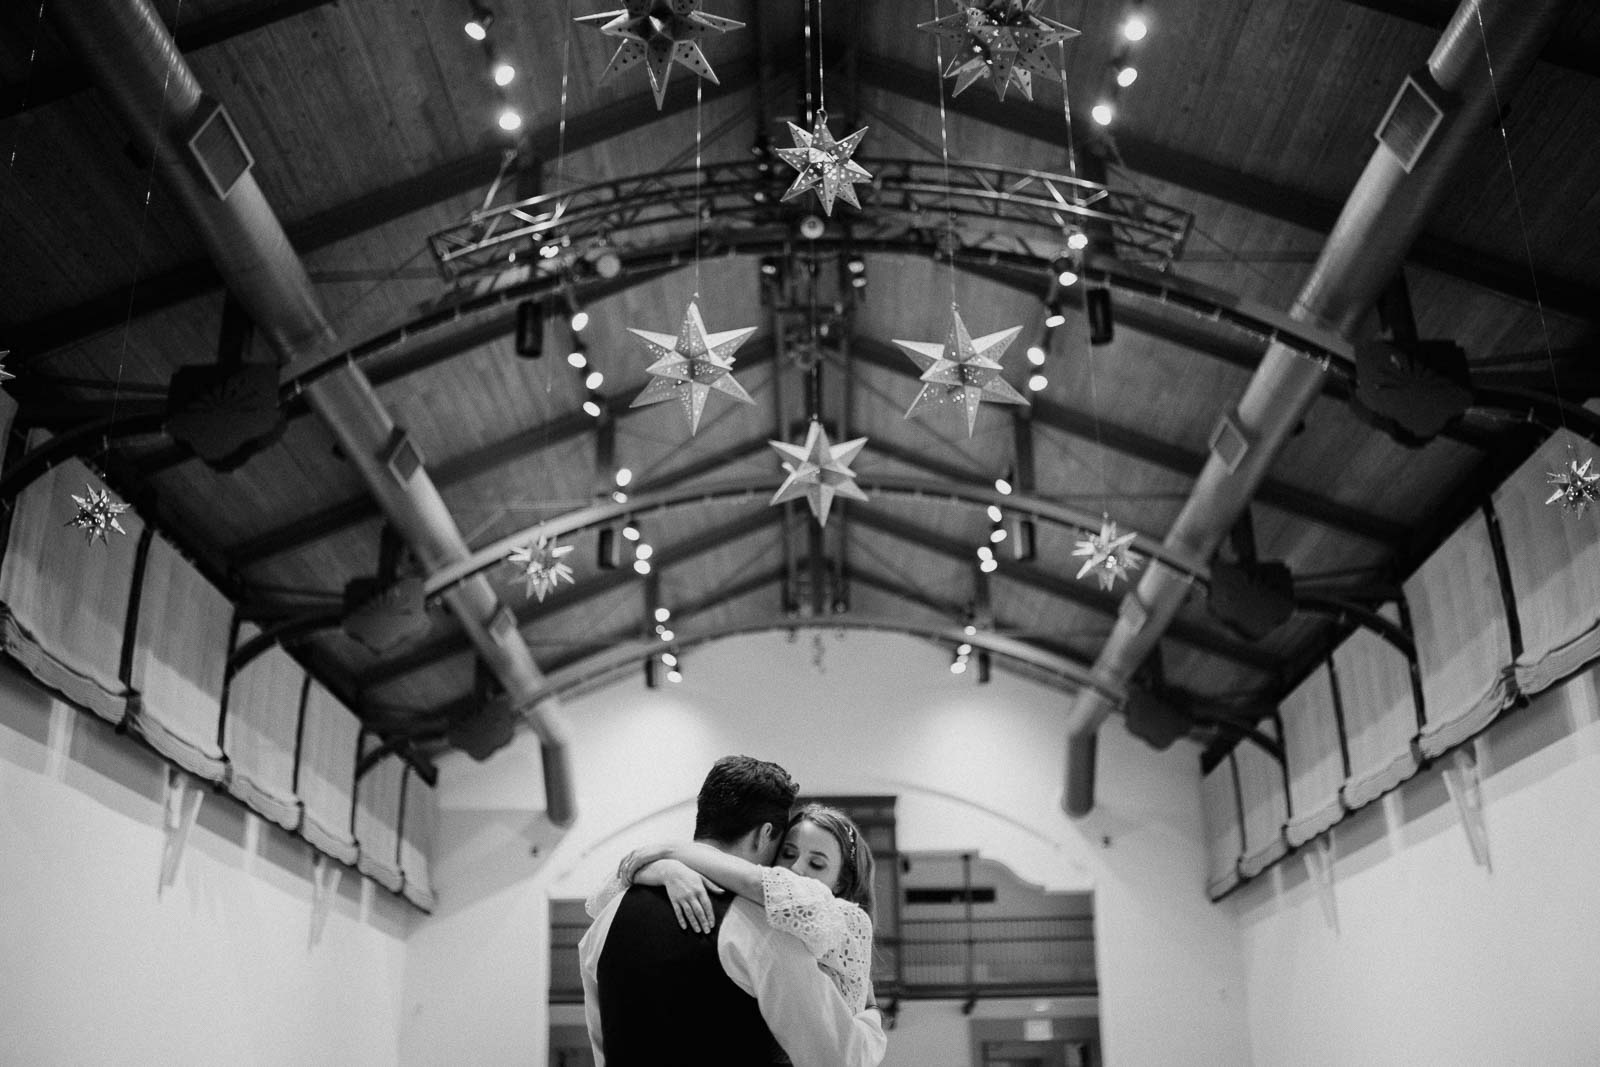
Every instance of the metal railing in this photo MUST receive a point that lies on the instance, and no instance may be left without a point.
(933, 958)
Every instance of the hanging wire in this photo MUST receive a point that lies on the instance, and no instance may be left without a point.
(1522, 222)
(27, 81)
(810, 108)
(822, 83)
(944, 148)
(698, 206)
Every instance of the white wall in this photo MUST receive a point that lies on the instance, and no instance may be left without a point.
(976, 767)
(98, 967)
(1434, 959)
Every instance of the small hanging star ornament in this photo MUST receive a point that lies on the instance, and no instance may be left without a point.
(97, 514)
(825, 164)
(541, 566)
(5, 375)
(1576, 488)
(968, 374)
(692, 364)
(819, 471)
(659, 33)
(1002, 40)
(1108, 555)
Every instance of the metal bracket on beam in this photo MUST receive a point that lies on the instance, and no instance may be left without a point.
(181, 801)
(1318, 859)
(1463, 778)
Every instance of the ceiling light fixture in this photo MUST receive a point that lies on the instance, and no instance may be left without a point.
(1077, 240)
(1055, 318)
(1036, 355)
(642, 566)
(1037, 383)
(1102, 113)
(663, 614)
(580, 319)
(1135, 28)
(669, 659)
(630, 530)
(1126, 75)
(477, 26)
(510, 120)
(674, 676)
(624, 476)
(595, 380)
(592, 408)
(577, 358)
(504, 73)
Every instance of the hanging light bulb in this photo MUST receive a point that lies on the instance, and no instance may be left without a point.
(667, 635)
(1102, 113)
(1077, 240)
(1055, 318)
(630, 530)
(642, 566)
(595, 380)
(1036, 355)
(477, 26)
(995, 514)
(504, 73)
(591, 408)
(1126, 75)
(1135, 28)
(989, 566)
(578, 359)
(1002, 486)
(580, 319)
(669, 659)
(510, 120)
(1037, 383)
(643, 550)
(663, 614)
(674, 676)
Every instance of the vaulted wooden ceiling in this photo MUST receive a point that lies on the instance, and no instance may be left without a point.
(373, 128)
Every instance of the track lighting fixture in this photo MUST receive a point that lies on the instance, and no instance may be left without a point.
(477, 26)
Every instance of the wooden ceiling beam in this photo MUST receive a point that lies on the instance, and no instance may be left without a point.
(1559, 51)
(47, 85)
(1220, 182)
(452, 179)
(568, 598)
(1092, 599)
(349, 513)
(1141, 446)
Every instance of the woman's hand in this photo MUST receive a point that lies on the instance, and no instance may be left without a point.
(640, 858)
(690, 894)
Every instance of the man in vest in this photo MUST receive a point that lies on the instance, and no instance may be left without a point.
(657, 995)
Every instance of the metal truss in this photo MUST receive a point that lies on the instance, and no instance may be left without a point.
(989, 208)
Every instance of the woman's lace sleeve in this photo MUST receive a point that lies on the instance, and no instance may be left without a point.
(803, 907)
(850, 963)
(613, 888)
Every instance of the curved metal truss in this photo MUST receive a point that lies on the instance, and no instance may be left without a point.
(992, 207)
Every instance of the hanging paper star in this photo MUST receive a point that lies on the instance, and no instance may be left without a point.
(692, 364)
(824, 164)
(1108, 554)
(97, 514)
(541, 566)
(1576, 488)
(968, 375)
(659, 33)
(1002, 40)
(819, 470)
(5, 375)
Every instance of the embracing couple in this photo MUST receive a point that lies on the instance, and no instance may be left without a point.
(750, 945)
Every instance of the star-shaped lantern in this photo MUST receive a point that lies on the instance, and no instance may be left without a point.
(659, 33)
(824, 164)
(97, 514)
(818, 471)
(1002, 40)
(1108, 555)
(541, 566)
(962, 370)
(692, 364)
(1576, 488)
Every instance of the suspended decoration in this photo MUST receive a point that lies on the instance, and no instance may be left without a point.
(962, 371)
(97, 514)
(541, 566)
(658, 34)
(1576, 488)
(1108, 554)
(1003, 41)
(819, 470)
(689, 366)
(5, 375)
(824, 164)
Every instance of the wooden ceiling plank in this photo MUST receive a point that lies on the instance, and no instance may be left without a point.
(1559, 51)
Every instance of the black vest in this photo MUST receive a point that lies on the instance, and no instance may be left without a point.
(665, 999)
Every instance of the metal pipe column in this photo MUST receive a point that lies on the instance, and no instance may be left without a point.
(136, 63)
(1383, 216)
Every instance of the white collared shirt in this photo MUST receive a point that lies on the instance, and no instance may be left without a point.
(799, 1003)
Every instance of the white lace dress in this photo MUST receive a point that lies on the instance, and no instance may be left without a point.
(836, 932)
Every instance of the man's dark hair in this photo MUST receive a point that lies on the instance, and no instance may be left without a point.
(740, 793)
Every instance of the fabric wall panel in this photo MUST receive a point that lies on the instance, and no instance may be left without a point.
(1554, 557)
(263, 723)
(327, 773)
(1316, 763)
(421, 817)
(65, 599)
(1266, 806)
(1224, 831)
(378, 821)
(1380, 713)
(180, 655)
(1463, 640)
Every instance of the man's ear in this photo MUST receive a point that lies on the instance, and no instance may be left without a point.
(766, 836)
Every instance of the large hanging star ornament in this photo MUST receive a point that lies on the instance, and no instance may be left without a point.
(824, 164)
(97, 514)
(1108, 555)
(1002, 40)
(962, 370)
(659, 33)
(819, 471)
(1576, 488)
(692, 364)
(541, 566)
